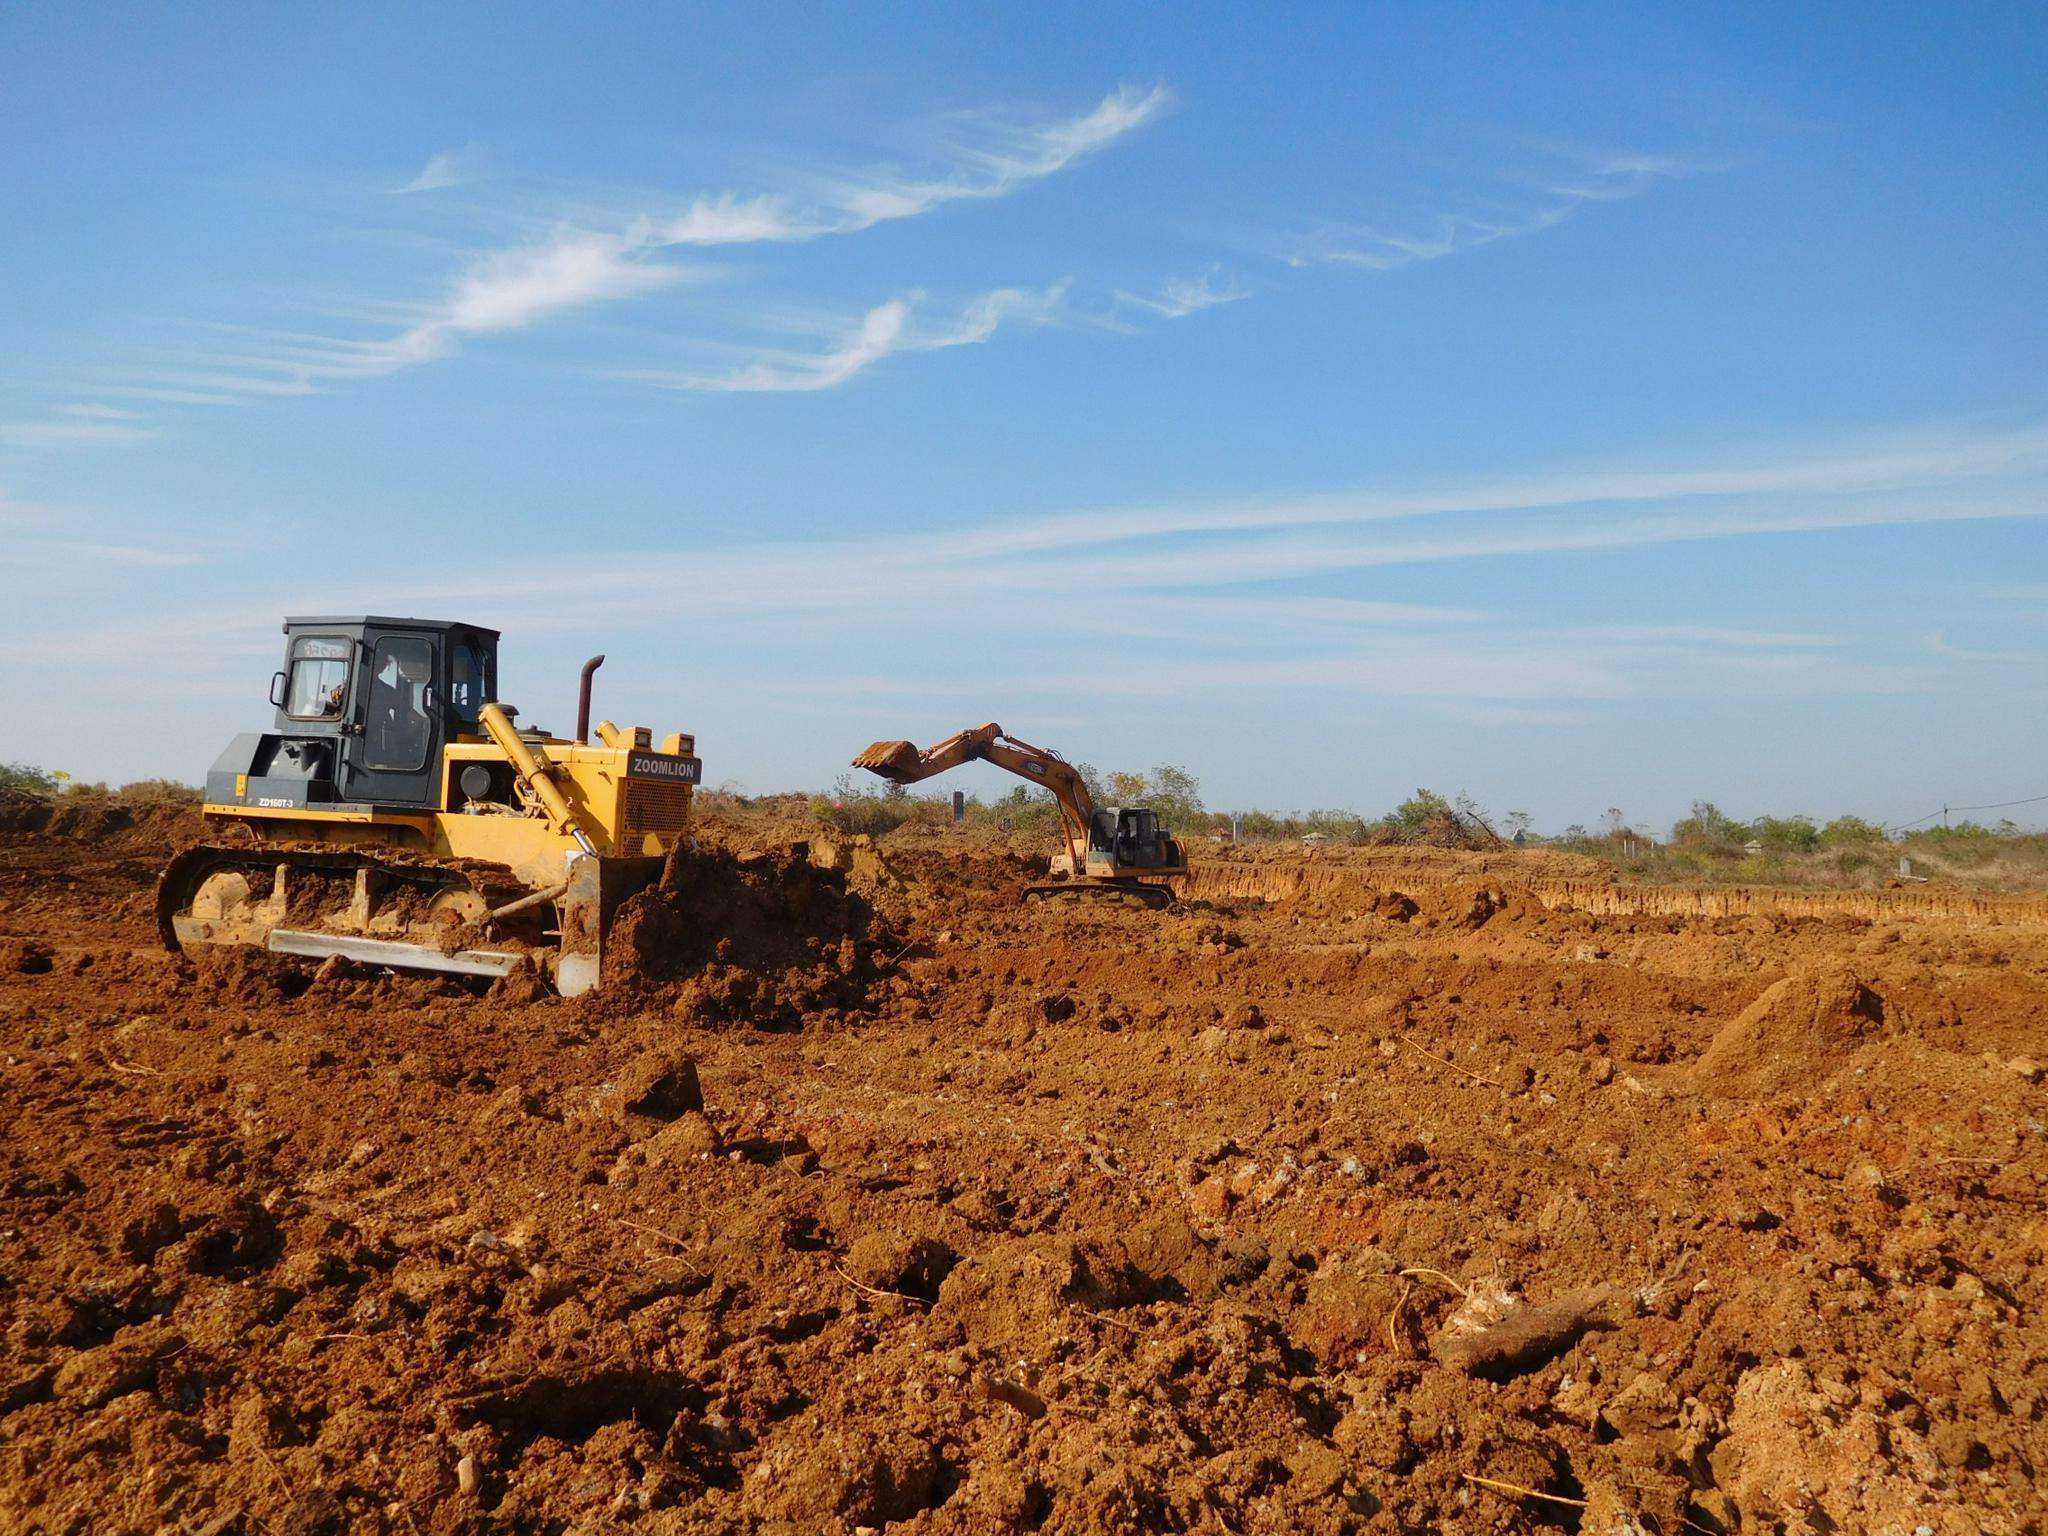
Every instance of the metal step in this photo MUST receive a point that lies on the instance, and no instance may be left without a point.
(391, 952)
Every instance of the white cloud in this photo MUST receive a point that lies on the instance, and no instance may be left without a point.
(448, 168)
(731, 220)
(884, 330)
(71, 555)
(989, 161)
(1003, 163)
(1250, 610)
(1575, 179)
(1182, 296)
(969, 565)
(72, 425)
(95, 412)
(498, 291)
(1919, 459)
(1941, 645)
(506, 290)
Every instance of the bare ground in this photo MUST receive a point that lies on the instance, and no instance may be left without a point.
(1374, 1192)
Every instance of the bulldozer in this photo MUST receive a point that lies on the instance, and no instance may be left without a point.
(1112, 851)
(396, 814)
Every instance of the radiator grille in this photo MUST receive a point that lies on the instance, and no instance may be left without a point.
(646, 807)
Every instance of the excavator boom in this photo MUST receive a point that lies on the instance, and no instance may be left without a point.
(1104, 849)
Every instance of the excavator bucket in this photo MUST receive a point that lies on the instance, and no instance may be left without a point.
(894, 760)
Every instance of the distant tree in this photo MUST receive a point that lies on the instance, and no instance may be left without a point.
(1127, 788)
(1257, 824)
(1851, 832)
(1417, 812)
(24, 779)
(1517, 822)
(1785, 834)
(1176, 795)
(1708, 828)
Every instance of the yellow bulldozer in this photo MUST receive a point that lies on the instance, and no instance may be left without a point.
(397, 814)
(1115, 851)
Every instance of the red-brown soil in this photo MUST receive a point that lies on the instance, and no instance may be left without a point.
(1354, 1194)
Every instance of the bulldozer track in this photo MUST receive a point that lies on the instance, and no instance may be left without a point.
(191, 867)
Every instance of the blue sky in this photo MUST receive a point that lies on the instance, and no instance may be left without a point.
(1573, 406)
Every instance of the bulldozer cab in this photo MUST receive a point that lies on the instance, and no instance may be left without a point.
(368, 703)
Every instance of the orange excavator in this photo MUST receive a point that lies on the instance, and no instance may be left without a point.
(1113, 851)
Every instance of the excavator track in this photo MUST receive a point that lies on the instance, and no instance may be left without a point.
(319, 900)
(1156, 896)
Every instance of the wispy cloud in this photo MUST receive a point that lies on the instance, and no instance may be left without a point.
(884, 330)
(1182, 296)
(1572, 179)
(1270, 605)
(574, 267)
(1941, 645)
(989, 160)
(1920, 459)
(447, 168)
(75, 424)
(50, 555)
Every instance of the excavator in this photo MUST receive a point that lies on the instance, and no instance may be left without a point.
(1112, 851)
(396, 814)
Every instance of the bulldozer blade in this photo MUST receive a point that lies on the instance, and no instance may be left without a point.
(391, 952)
(893, 760)
(596, 887)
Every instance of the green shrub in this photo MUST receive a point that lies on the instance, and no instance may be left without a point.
(27, 780)
(1784, 834)
(1851, 832)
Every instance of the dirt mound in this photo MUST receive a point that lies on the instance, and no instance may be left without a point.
(21, 812)
(1799, 1029)
(766, 936)
(98, 818)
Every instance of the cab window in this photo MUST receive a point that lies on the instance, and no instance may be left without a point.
(400, 729)
(319, 681)
(466, 680)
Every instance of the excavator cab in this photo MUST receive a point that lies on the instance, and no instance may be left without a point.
(1130, 837)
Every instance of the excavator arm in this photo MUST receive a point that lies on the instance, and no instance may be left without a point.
(900, 762)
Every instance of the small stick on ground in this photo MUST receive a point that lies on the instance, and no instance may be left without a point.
(1440, 1061)
(666, 1237)
(1520, 1492)
(1114, 1322)
(1437, 1274)
(131, 1068)
(277, 1472)
(1393, 1316)
(869, 1290)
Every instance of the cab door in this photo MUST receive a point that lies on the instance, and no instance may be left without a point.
(393, 756)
